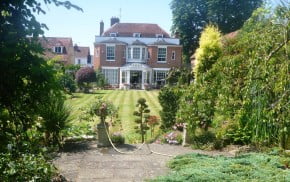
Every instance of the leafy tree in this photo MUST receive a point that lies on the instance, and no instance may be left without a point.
(141, 119)
(27, 81)
(230, 15)
(245, 93)
(152, 122)
(179, 76)
(210, 49)
(190, 17)
(84, 77)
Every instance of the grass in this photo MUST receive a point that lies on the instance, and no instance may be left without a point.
(248, 167)
(125, 100)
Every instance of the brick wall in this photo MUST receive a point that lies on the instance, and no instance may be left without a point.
(120, 60)
(100, 56)
(153, 51)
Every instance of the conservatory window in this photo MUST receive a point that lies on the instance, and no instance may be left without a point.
(111, 75)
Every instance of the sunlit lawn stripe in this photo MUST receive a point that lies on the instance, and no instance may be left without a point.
(153, 103)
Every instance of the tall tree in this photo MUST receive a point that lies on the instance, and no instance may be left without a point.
(142, 115)
(230, 15)
(25, 77)
(191, 16)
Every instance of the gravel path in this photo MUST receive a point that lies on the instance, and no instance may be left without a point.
(84, 162)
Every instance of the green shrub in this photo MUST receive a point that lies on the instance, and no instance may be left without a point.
(101, 80)
(68, 83)
(248, 85)
(25, 167)
(169, 100)
(55, 119)
(117, 138)
(248, 167)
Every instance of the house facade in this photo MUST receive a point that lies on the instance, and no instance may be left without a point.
(135, 55)
(58, 48)
(82, 56)
(62, 50)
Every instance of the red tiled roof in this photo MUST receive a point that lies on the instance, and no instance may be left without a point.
(81, 51)
(231, 35)
(48, 43)
(127, 30)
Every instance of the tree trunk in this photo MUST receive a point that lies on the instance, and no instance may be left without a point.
(141, 127)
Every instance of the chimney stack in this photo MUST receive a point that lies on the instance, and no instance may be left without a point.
(114, 20)
(101, 28)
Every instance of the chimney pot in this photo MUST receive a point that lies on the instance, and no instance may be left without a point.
(101, 28)
(114, 20)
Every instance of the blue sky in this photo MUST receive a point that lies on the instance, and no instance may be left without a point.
(83, 26)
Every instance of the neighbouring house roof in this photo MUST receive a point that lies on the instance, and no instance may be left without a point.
(81, 51)
(112, 41)
(127, 30)
(231, 35)
(48, 43)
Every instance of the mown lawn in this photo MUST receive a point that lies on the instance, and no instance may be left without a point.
(125, 100)
(248, 167)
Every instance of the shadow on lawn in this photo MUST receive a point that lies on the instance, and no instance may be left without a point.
(73, 96)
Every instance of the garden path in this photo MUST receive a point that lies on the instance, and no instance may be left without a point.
(84, 162)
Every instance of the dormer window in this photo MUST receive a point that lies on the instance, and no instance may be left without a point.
(113, 34)
(58, 49)
(159, 35)
(136, 34)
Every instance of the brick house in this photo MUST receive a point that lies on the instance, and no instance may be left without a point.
(58, 48)
(135, 55)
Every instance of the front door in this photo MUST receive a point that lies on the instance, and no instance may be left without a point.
(136, 79)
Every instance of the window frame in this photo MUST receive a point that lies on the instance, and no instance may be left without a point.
(136, 53)
(173, 55)
(58, 49)
(159, 36)
(162, 58)
(113, 34)
(137, 35)
(111, 75)
(111, 57)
